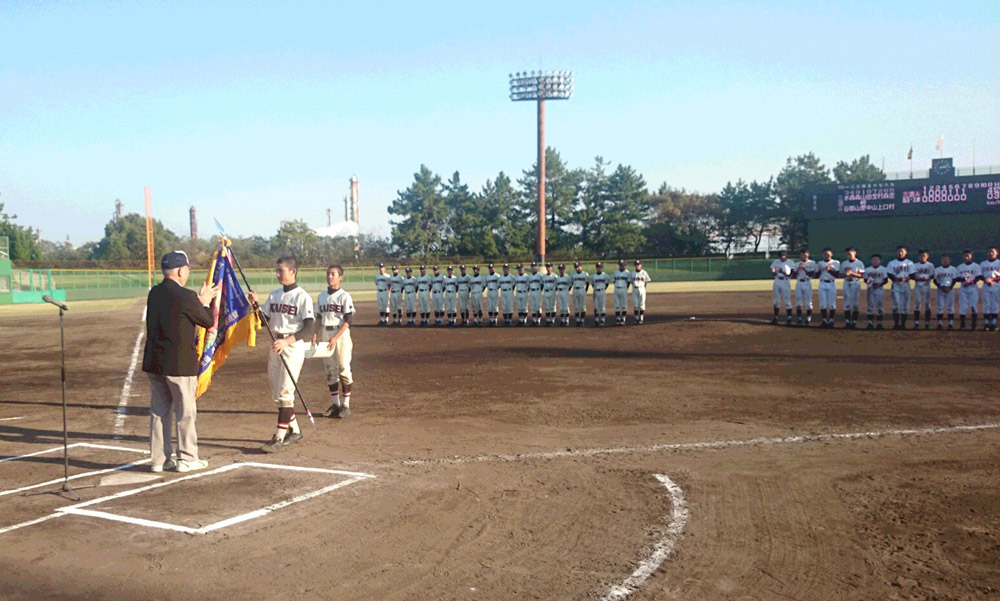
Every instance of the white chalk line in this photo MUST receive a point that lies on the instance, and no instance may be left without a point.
(662, 549)
(30, 523)
(10, 419)
(124, 466)
(127, 387)
(89, 445)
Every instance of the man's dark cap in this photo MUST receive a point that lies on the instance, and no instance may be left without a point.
(175, 259)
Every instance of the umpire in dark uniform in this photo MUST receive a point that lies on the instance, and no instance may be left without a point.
(171, 362)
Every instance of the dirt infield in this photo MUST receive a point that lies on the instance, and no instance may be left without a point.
(523, 463)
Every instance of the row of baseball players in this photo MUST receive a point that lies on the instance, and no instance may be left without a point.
(533, 295)
(899, 272)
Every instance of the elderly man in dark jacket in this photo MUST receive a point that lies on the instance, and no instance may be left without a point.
(171, 362)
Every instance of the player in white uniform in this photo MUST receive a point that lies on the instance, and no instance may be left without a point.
(581, 283)
(493, 295)
(424, 295)
(396, 296)
(969, 274)
(410, 296)
(522, 282)
(336, 309)
(507, 295)
(437, 295)
(805, 271)
(829, 269)
(477, 283)
(991, 290)
(781, 269)
(600, 282)
(451, 295)
(563, 284)
(639, 280)
(900, 271)
(289, 314)
(944, 280)
(623, 280)
(535, 294)
(852, 270)
(875, 278)
(923, 273)
(382, 295)
(549, 294)
(463, 294)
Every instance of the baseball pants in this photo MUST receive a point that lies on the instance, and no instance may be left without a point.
(782, 294)
(522, 303)
(382, 298)
(804, 296)
(492, 301)
(580, 301)
(621, 300)
(875, 299)
(424, 299)
(171, 400)
(946, 301)
(991, 298)
(507, 303)
(639, 298)
(438, 299)
(338, 364)
(450, 303)
(463, 301)
(600, 302)
(922, 296)
(282, 385)
(475, 303)
(901, 298)
(535, 301)
(550, 301)
(827, 296)
(395, 302)
(562, 302)
(968, 299)
(852, 295)
(411, 303)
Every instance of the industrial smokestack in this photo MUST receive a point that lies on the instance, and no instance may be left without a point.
(355, 200)
(329, 217)
(194, 225)
(119, 209)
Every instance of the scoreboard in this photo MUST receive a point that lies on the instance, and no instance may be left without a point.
(971, 194)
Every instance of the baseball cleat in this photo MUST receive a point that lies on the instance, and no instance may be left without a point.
(344, 412)
(189, 466)
(332, 411)
(168, 465)
(291, 438)
(272, 446)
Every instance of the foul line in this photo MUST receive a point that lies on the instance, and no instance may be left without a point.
(127, 387)
(10, 419)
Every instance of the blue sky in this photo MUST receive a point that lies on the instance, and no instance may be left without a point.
(257, 112)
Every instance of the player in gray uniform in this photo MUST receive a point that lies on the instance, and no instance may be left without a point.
(875, 278)
(581, 284)
(477, 283)
(507, 295)
(521, 284)
(852, 270)
(549, 294)
(382, 295)
(969, 274)
(991, 290)
(805, 271)
(437, 295)
(781, 269)
(451, 295)
(623, 280)
(923, 273)
(289, 314)
(410, 296)
(563, 284)
(535, 281)
(396, 296)
(900, 271)
(492, 294)
(463, 294)
(640, 277)
(944, 280)
(829, 269)
(424, 295)
(600, 282)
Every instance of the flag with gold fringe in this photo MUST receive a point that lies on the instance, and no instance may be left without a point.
(235, 321)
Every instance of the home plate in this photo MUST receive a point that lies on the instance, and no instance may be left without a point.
(121, 478)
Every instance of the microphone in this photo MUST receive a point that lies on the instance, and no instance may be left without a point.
(53, 301)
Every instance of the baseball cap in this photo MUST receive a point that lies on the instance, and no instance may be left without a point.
(548, 264)
(577, 264)
(436, 268)
(599, 264)
(475, 267)
(520, 266)
(409, 270)
(461, 266)
(534, 263)
(491, 266)
(621, 261)
(507, 265)
(450, 268)
(394, 268)
(175, 259)
(561, 266)
(381, 264)
(423, 267)
(638, 262)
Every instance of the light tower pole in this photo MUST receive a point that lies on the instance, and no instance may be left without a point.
(541, 86)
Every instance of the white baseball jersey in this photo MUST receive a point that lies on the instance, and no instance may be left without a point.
(476, 285)
(900, 272)
(828, 271)
(564, 283)
(287, 309)
(535, 281)
(493, 282)
(600, 281)
(782, 268)
(506, 283)
(423, 283)
(876, 277)
(922, 273)
(396, 284)
(855, 265)
(437, 283)
(945, 277)
(968, 273)
(410, 286)
(521, 283)
(333, 306)
(805, 271)
(450, 284)
(623, 279)
(382, 282)
(464, 282)
(581, 280)
(991, 270)
(640, 279)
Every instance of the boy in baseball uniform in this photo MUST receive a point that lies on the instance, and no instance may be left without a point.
(410, 296)
(396, 296)
(900, 271)
(289, 314)
(463, 294)
(382, 295)
(600, 283)
(805, 271)
(923, 273)
(336, 309)
(477, 283)
(781, 269)
(493, 294)
(424, 295)
(581, 284)
(522, 281)
(623, 280)
(437, 295)
(852, 270)
(969, 274)
(829, 269)
(944, 280)
(535, 281)
(639, 280)
(451, 295)
(507, 295)
(563, 283)
(549, 294)
(875, 278)
(991, 290)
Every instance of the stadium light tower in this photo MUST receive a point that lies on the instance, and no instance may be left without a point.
(541, 86)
